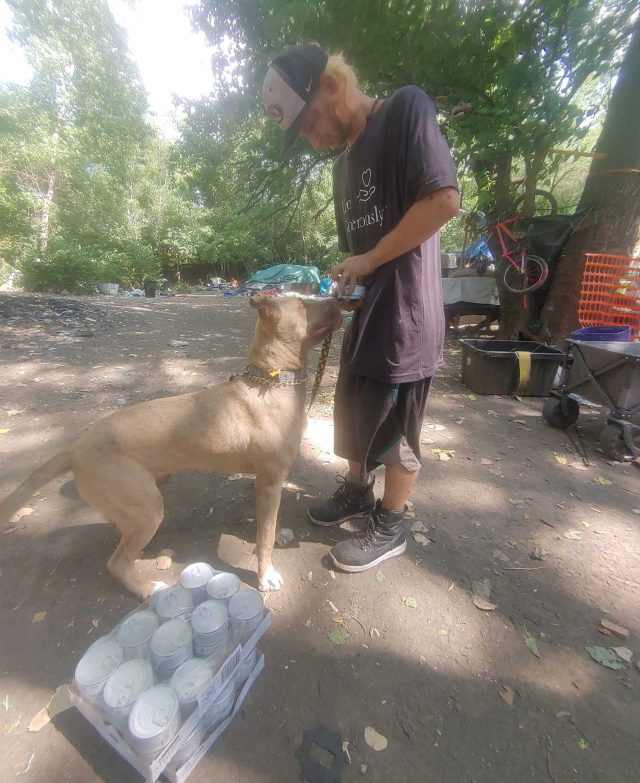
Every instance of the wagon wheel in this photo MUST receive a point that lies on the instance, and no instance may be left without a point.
(612, 442)
(560, 412)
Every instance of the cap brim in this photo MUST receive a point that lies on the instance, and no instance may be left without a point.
(291, 134)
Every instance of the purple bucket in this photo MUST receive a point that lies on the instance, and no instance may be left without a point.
(603, 334)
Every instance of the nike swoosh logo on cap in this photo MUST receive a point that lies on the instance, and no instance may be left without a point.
(308, 87)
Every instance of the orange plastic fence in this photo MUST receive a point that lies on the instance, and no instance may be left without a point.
(610, 292)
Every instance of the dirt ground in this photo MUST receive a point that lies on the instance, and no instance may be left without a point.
(456, 690)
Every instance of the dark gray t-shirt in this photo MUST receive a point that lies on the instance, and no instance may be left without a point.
(400, 157)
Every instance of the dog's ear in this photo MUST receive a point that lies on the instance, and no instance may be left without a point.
(267, 307)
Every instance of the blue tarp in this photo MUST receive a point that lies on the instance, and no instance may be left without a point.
(286, 273)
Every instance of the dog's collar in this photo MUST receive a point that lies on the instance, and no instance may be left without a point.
(276, 377)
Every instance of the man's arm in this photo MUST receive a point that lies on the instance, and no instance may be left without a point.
(422, 220)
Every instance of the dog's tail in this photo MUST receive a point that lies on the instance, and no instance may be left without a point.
(54, 467)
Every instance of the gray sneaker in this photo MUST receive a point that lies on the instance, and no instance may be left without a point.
(383, 538)
(349, 500)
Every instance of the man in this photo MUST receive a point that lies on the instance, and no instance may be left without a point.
(394, 187)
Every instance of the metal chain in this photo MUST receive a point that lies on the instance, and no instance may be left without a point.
(322, 363)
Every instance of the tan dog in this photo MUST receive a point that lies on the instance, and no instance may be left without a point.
(248, 425)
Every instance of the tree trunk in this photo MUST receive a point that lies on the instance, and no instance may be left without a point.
(612, 188)
(43, 238)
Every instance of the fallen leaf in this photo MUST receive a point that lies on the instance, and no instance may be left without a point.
(177, 343)
(563, 714)
(419, 538)
(606, 657)
(578, 466)
(38, 617)
(609, 628)
(374, 740)
(583, 744)
(537, 553)
(485, 461)
(411, 603)
(25, 511)
(4, 430)
(603, 481)
(623, 652)
(9, 728)
(339, 635)
(507, 694)
(531, 644)
(498, 555)
(573, 535)
(560, 459)
(472, 396)
(417, 527)
(163, 562)
(379, 576)
(481, 589)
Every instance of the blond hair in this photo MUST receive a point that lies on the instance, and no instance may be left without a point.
(345, 76)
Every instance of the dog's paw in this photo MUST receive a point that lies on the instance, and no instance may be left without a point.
(270, 581)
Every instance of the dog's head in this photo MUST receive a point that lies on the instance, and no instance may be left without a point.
(297, 322)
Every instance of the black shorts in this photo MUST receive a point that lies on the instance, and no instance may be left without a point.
(377, 423)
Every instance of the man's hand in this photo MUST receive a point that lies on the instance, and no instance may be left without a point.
(348, 272)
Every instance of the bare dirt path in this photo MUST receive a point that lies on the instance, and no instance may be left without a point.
(454, 688)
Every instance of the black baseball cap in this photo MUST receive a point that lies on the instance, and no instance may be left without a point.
(290, 83)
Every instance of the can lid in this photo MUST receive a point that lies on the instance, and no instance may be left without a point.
(189, 679)
(99, 662)
(137, 628)
(223, 585)
(153, 712)
(210, 616)
(171, 637)
(174, 601)
(246, 605)
(127, 682)
(196, 575)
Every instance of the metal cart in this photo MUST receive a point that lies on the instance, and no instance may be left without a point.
(607, 373)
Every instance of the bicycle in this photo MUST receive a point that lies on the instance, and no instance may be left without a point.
(524, 272)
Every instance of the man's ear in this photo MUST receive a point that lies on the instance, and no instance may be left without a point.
(329, 82)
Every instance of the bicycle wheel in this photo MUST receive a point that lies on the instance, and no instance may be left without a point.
(545, 203)
(528, 277)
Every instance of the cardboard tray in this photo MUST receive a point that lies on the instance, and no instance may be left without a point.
(151, 770)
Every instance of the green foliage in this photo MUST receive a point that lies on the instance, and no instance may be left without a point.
(79, 270)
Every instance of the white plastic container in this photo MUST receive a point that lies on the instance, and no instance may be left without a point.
(96, 666)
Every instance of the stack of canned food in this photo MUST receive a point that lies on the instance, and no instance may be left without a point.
(147, 675)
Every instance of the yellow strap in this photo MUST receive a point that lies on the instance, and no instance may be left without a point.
(273, 373)
(524, 369)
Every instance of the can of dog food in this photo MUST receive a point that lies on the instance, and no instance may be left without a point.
(221, 707)
(129, 681)
(210, 623)
(96, 666)
(154, 720)
(245, 612)
(195, 578)
(188, 680)
(189, 747)
(171, 645)
(135, 631)
(223, 585)
(172, 602)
